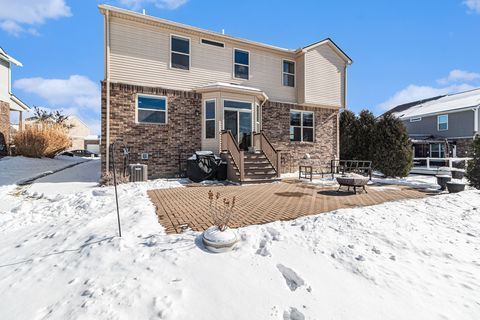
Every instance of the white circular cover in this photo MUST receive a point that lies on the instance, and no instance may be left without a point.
(219, 241)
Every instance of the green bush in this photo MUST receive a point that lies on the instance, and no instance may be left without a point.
(393, 150)
(384, 141)
(348, 132)
(473, 168)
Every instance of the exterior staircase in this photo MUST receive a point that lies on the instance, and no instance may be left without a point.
(245, 167)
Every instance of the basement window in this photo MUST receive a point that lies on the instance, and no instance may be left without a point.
(151, 109)
(180, 53)
(301, 126)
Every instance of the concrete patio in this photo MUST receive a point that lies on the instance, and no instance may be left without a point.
(182, 208)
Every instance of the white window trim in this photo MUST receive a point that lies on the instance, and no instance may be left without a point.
(438, 122)
(301, 125)
(210, 119)
(189, 54)
(151, 96)
(416, 119)
(293, 74)
(211, 45)
(241, 64)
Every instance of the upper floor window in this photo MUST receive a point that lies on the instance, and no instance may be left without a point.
(180, 53)
(210, 119)
(151, 109)
(442, 122)
(288, 73)
(241, 64)
(301, 126)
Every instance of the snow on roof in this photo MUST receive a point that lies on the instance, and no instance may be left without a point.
(450, 102)
(231, 86)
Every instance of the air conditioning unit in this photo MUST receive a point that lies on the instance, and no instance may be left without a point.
(138, 172)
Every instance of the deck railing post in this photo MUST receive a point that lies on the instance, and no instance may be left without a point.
(241, 165)
(428, 163)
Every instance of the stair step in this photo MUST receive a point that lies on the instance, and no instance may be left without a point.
(268, 180)
(252, 165)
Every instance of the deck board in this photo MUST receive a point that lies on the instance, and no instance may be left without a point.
(258, 204)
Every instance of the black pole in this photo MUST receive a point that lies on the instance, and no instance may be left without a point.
(112, 146)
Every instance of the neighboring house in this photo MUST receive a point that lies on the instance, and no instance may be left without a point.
(442, 126)
(8, 101)
(170, 89)
(78, 131)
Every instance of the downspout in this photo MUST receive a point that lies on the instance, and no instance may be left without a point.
(475, 121)
(344, 107)
(107, 78)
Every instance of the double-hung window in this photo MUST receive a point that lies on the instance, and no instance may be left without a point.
(288, 73)
(301, 126)
(151, 109)
(180, 53)
(241, 65)
(210, 119)
(442, 122)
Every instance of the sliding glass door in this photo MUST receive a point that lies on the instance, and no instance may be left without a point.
(238, 119)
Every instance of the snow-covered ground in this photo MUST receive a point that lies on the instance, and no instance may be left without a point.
(60, 258)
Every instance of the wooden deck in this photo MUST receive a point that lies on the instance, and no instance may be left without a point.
(181, 208)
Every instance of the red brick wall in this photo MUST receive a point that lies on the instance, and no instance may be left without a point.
(276, 126)
(4, 127)
(164, 143)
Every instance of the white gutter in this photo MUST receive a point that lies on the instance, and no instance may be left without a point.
(107, 77)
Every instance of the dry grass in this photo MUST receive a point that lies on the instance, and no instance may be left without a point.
(107, 178)
(41, 142)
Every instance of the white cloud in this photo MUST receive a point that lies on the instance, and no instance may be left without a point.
(21, 16)
(458, 76)
(75, 92)
(473, 5)
(162, 4)
(413, 93)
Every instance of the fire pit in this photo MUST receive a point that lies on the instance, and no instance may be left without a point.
(353, 180)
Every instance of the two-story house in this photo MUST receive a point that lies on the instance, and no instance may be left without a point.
(442, 126)
(171, 89)
(8, 101)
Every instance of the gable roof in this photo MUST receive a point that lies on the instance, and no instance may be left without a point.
(332, 44)
(440, 104)
(190, 29)
(4, 56)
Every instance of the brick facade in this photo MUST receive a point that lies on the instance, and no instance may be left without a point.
(276, 125)
(464, 147)
(168, 143)
(165, 143)
(4, 127)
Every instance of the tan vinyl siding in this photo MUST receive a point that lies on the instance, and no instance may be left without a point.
(300, 79)
(324, 77)
(140, 54)
(4, 81)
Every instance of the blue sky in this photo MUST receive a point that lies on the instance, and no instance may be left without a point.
(402, 50)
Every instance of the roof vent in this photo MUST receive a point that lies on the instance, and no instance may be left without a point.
(143, 11)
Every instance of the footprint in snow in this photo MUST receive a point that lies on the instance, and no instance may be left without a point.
(262, 249)
(293, 280)
(293, 314)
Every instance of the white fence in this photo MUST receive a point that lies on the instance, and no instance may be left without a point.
(428, 162)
